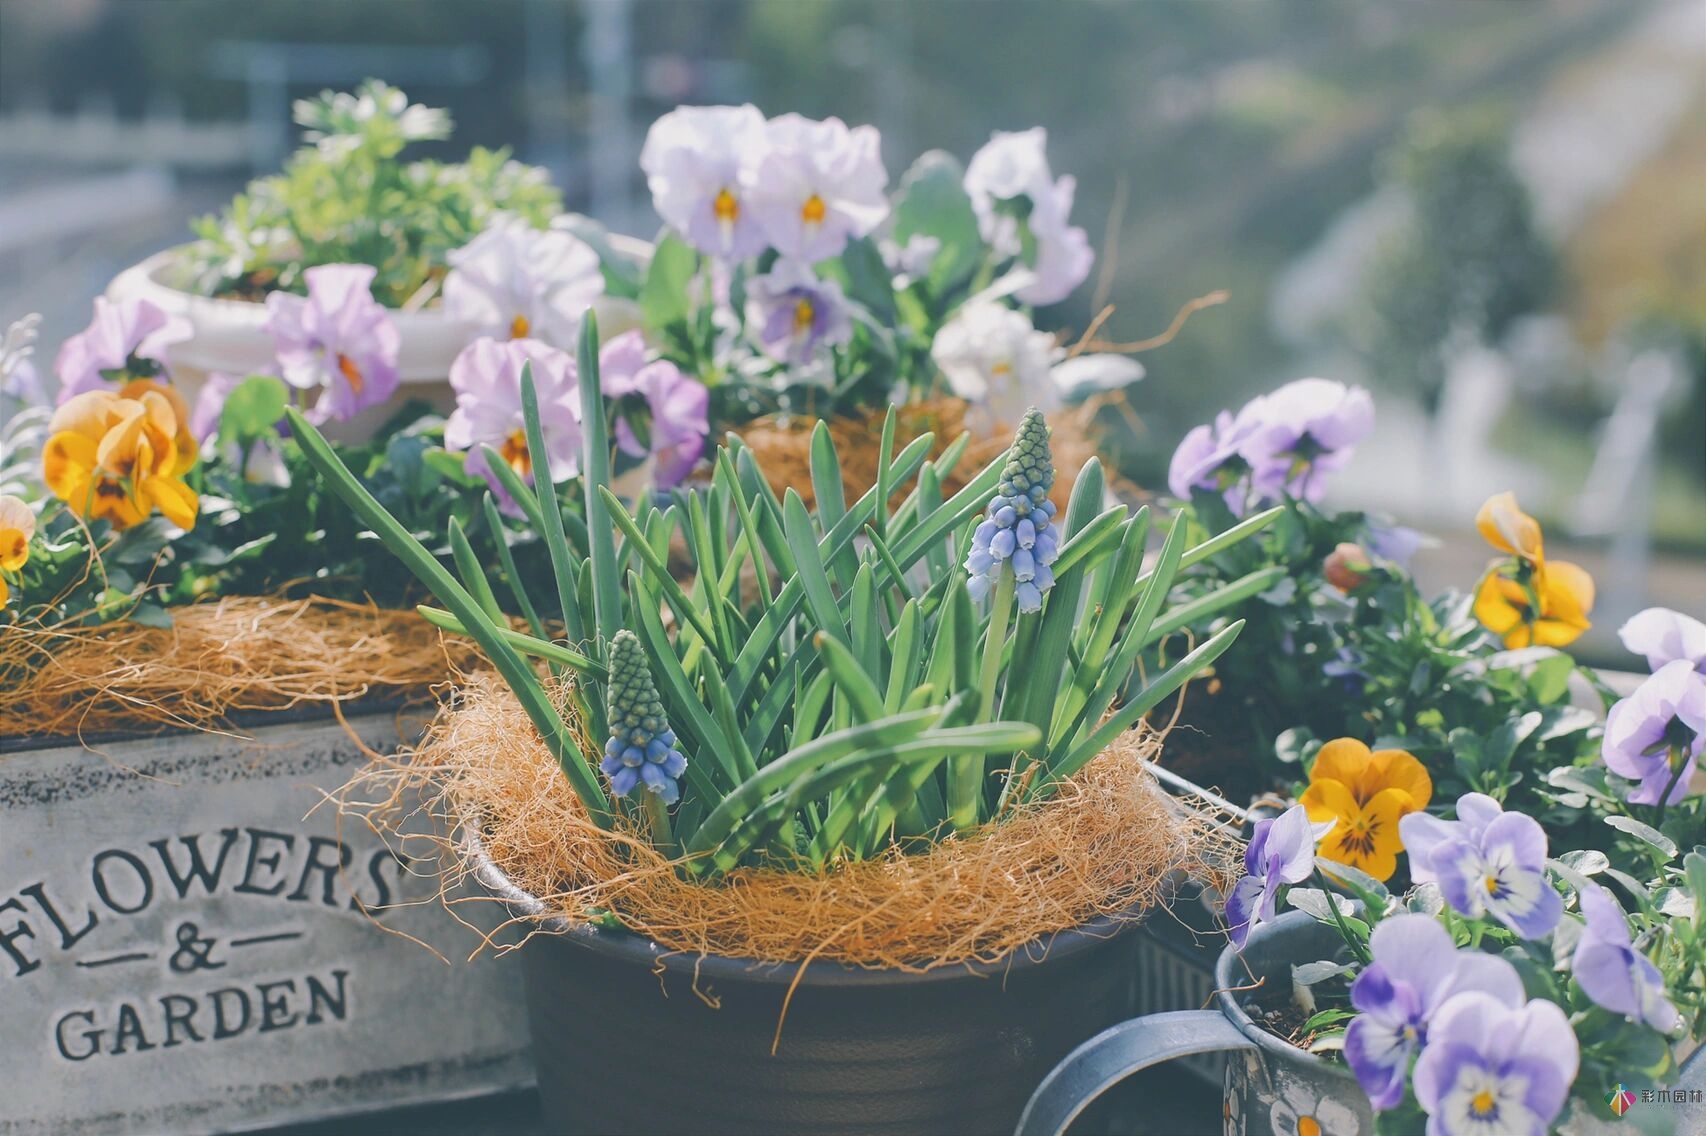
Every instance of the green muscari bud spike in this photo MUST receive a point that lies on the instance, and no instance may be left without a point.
(1030, 463)
(631, 696)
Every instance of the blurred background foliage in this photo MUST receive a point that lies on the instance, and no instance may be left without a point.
(1486, 212)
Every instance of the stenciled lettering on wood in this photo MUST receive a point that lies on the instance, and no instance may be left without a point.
(192, 995)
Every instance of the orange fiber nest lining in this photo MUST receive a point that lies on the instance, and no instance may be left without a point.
(1109, 844)
(782, 445)
(217, 659)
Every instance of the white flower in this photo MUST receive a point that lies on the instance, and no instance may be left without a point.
(819, 185)
(517, 282)
(911, 261)
(1015, 195)
(261, 464)
(700, 164)
(991, 354)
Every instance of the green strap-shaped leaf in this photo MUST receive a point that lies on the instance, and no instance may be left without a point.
(1203, 606)
(564, 564)
(500, 536)
(527, 644)
(595, 475)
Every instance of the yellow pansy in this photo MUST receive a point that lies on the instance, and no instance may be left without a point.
(1528, 601)
(17, 526)
(1509, 529)
(121, 456)
(1548, 609)
(1365, 794)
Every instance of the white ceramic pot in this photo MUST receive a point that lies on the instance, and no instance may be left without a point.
(230, 337)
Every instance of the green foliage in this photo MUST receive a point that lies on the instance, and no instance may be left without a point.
(821, 671)
(1468, 261)
(346, 199)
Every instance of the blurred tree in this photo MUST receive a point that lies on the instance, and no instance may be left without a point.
(1468, 262)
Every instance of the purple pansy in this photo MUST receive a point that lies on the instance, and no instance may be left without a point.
(1664, 636)
(126, 340)
(1212, 458)
(210, 403)
(1281, 852)
(1491, 1069)
(517, 282)
(1310, 428)
(795, 314)
(1657, 735)
(486, 377)
(1612, 972)
(1495, 868)
(677, 407)
(1415, 968)
(1423, 832)
(337, 340)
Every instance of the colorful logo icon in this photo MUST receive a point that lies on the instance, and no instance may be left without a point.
(1620, 1099)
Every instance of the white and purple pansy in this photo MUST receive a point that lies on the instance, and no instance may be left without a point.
(795, 314)
(338, 340)
(1663, 636)
(1612, 972)
(1493, 1069)
(1281, 853)
(1415, 968)
(1657, 735)
(1497, 868)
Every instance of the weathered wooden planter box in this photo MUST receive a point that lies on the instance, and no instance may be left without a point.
(188, 945)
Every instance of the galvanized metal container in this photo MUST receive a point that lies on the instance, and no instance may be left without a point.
(189, 945)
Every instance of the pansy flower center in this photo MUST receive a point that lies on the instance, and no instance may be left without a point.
(350, 372)
(804, 314)
(1308, 1126)
(514, 453)
(725, 207)
(1484, 1106)
(519, 327)
(814, 210)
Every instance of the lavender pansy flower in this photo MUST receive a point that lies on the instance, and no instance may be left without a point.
(210, 403)
(676, 415)
(1396, 544)
(126, 340)
(1612, 972)
(1281, 852)
(795, 314)
(1490, 1069)
(1423, 832)
(1664, 636)
(700, 164)
(1496, 869)
(1309, 428)
(1656, 735)
(1023, 210)
(818, 185)
(517, 282)
(486, 377)
(1017, 534)
(1415, 968)
(337, 340)
(1212, 458)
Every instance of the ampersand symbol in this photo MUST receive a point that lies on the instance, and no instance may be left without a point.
(193, 951)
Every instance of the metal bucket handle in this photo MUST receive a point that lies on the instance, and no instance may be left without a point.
(1118, 1052)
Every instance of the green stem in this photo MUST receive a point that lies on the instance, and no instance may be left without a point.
(1357, 947)
(657, 815)
(965, 774)
(1679, 764)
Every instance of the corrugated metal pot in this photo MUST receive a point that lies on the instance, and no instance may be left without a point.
(630, 1039)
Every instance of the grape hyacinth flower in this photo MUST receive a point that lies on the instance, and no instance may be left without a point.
(1657, 735)
(1612, 972)
(796, 314)
(486, 377)
(1491, 1069)
(700, 164)
(126, 340)
(641, 749)
(1415, 968)
(337, 340)
(1017, 541)
(1664, 636)
(818, 185)
(1281, 853)
(1023, 210)
(674, 420)
(517, 282)
(1498, 869)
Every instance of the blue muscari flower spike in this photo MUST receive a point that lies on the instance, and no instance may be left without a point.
(1016, 533)
(641, 749)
